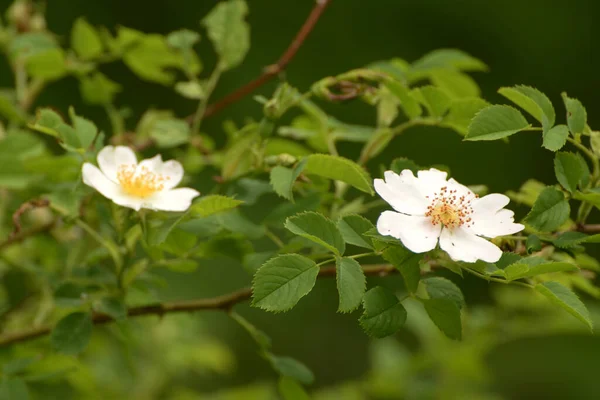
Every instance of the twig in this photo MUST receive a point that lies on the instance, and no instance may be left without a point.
(222, 303)
(272, 70)
(589, 228)
(18, 238)
(23, 209)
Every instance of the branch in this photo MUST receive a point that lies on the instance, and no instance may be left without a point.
(23, 208)
(223, 303)
(589, 228)
(272, 70)
(18, 238)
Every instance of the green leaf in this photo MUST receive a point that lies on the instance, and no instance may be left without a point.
(569, 170)
(566, 299)
(9, 108)
(407, 263)
(533, 101)
(85, 40)
(113, 307)
(533, 243)
(448, 58)
(317, 228)
(183, 39)
(13, 389)
(576, 114)
(291, 390)
(171, 132)
(283, 179)
(72, 333)
(351, 283)
(384, 315)
(591, 197)
(496, 122)
(435, 100)
(595, 142)
(259, 336)
(572, 239)
(49, 65)
(190, 90)
(85, 129)
(180, 265)
(555, 138)
(455, 83)
(292, 368)
(442, 288)
(549, 211)
(341, 169)
(98, 89)
(229, 31)
(400, 164)
(213, 204)
(282, 281)
(461, 112)
(352, 227)
(408, 103)
(445, 314)
(521, 270)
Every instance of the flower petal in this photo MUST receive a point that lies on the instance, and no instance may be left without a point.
(93, 177)
(110, 158)
(402, 192)
(462, 245)
(431, 180)
(416, 233)
(172, 200)
(499, 224)
(489, 204)
(171, 170)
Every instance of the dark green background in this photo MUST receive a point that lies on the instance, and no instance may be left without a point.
(548, 44)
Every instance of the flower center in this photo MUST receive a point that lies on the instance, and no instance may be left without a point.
(450, 210)
(139, 182)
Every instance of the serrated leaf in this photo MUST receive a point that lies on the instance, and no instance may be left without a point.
(435, 100)
(282, 281)
(461, 112)
(317, 228)
(455, 83)
(290, 367)
(85, 40)
(213, 204)
(521, 270)
(572, 239)
(555, 138)
(408, 103)
(85, 129)
(341, 169)
(229, 32)
(351, 283)
(549, 211)
(533, 101)
(72, 333)
(566, 299)
(352, 227)
(282, 179)
(569, 170)
(445, 314)
(496, 122)
(442, 288)
(384, 315)
(291, 390)
(407, 263)
(576, 114)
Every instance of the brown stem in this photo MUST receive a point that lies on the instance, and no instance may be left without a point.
(37, 203)
(589, 228)
(18, 238)
(272, 70)
(223, 303)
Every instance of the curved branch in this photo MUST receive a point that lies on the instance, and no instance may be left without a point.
(223, 303)
(272, 70)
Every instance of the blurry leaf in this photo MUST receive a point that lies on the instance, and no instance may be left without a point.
(72, 333)
(533, 101)
(442, 288)
(576, 114)
(521, 270)
(528, 193)
(282, 281)
(13, 174)
(19, 365)
(277, 146)
(67, 202)
(351, 283)
(98, 89)
(341, 169)
(569, 170)
(291, 390)
(589, 196)
(180, 265)
(407, 263)
(287, 366)
(85, 40)
(13, 389)
(49, 65)
(238, 158)
(448, 58)
(496, 122)
(445, 314)
(282, 179)
(435, 100)
(566, 299)
(179, 242)
(533, 243)
(31, 43)
(113, 307)
(400, 164)
(409, 104)
(259, 336)
(571, 239)
(555, 138)
(213, 204)
(236, 222)
(21, 144)
(183, 39)
(9, 108)
(387, 107)
(352, 227)
(383, 315)
(228, 31)
(85, 129)
(170, 133)
(549, 212)
(317, 228)
(190, 90)
(456, 84)
(461, 112)
(158, 230)
(594, 142)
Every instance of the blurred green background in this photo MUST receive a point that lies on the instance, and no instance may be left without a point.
(546, 44)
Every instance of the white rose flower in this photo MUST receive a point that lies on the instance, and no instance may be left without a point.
(149, 184)
(431, 208)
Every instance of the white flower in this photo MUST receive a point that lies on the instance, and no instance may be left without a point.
(149, 184)
(431, 208)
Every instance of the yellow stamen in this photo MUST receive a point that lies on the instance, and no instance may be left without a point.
(139, 182)
(448, 209)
